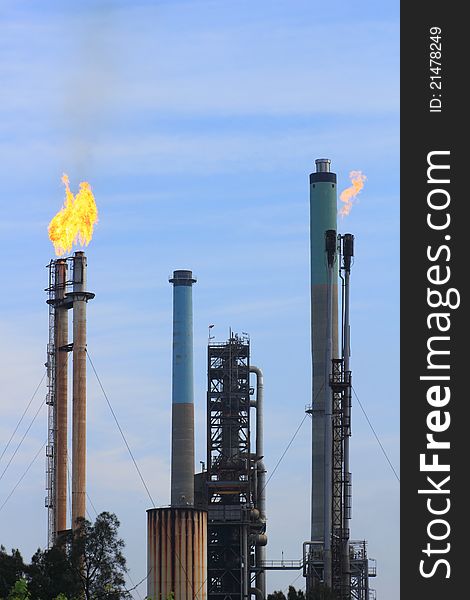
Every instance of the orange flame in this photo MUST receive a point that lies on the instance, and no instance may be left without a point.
(350, 193)
(74, 223)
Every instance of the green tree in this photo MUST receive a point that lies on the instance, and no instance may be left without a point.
(96, 558)
(321, 593)
(51, 574)
(294, 594)
(12, 568)
(276, 596)
(87, 564)
(19, 591)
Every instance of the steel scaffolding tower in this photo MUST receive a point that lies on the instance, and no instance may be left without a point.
(333, 561)
(234, 527)
(51, 417)
(341, 506)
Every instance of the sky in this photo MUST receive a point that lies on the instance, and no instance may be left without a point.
(197, 123)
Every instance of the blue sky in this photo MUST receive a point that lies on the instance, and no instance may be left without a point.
(197, 123)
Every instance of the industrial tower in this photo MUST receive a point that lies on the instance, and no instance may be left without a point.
(65, 294)
(233, 486)
(176, 535)
(330, 558)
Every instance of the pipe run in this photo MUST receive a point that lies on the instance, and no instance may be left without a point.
(348, 253)
(260, 551)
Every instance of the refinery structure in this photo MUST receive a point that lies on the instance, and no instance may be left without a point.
(66, 292)
(211, 542)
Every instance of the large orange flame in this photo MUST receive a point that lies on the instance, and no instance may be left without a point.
(348, 195)
(74, 223)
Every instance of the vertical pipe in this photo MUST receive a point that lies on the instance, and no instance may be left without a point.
(182, 439)
(323, 212)
(347, 420)
(348, 252)
(60, 446)
(80, 297)
(260, 551)
(245, 565)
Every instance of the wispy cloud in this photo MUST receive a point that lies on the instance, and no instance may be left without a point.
(238, 68)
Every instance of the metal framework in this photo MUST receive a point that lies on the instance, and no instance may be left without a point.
(231, 468)
(339, 382)
(51, 416)
(350, 566)
(362, 568)
(57, 300)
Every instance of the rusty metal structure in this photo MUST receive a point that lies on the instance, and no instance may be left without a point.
(65, 294)
(177, 553)
(56, 400)
(233, 485)
(79, 298)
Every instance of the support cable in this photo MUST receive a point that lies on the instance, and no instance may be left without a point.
(291, 441)
(376, 436)
(91, 503)
(120, 430)
(196, 595)
(136, 585)
(69, 467)
(285, 451)
(292, 583)
(23, 415)
(21, 441)
(24, 474)
(96, 514)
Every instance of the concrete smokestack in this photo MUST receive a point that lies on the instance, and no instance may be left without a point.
(80, 298)
(177, 536)
(323, 211)
(182, 439)
(60, 446)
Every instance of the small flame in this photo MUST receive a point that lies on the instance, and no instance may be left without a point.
(350, 193)
(74, 223)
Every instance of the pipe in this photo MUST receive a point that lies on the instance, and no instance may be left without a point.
(322, 165)
(80, 298)
(60, 412)
(258, 593)
(182, 439)
(261, 469)
(260, 551)
(348, 252)
(246, 563)
(258, 539)
(254, 513)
